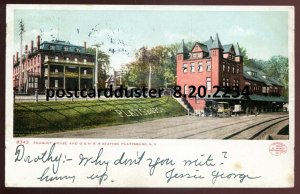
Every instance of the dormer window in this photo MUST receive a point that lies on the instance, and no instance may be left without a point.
(52, 47)
(66, 48)
(264, 76)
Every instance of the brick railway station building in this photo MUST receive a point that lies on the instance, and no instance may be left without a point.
(212, 64)
(56, 64)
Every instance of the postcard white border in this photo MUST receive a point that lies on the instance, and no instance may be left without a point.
(280, 168)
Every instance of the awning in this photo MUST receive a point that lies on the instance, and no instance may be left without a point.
(262, 98)
(252, 97)
(220, 96)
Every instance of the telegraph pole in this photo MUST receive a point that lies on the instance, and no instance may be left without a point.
(150, 72)
(22, 30)
(96, 69)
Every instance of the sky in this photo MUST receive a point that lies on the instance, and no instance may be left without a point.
(123, 32)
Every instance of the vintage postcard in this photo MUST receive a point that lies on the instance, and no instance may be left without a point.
(150, 96)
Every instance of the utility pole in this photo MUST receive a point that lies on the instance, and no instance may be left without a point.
(149, 82)
(96, 69)
(22, 30)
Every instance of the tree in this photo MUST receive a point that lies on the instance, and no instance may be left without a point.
(244, 53)
(163, 65)
(278, 67)
(103, 66)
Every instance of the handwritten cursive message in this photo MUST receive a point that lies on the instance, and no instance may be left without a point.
(97, 167)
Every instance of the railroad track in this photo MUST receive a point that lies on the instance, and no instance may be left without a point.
(223, 131)
(260, 130)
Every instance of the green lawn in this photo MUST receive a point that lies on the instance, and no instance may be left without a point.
(46, 117)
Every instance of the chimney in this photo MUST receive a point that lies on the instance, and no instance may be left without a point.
(17, 57)
(38, 39)
(13, 59)
(31, 47)
(26, 48)
(84, 45)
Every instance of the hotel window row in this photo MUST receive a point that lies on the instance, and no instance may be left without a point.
(199, 69)
(66, 59)
(232, 69)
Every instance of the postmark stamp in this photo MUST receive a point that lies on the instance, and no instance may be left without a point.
(277, 148)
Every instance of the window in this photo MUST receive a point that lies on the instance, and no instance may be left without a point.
(66, 48)
(36, 82)
(84, 61)
(46, 57)
(264, 90)
(56, 58)
(224, 82)
(52, 47)
(84, 72)
(208, 66)
(208, 83)
(56, 70)
(237, 83)
(184, 67)
(194, 55)
(75, 60)
(67, 59)
(233, 69)
(56, 83)
(186, 89)
(200, 67)
(192, 67)
(224, 67)
(233, 82)
(228, 68)
(227, 82)
(237, 70)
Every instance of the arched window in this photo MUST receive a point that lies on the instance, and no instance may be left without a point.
(192, 67)
(184, 67)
